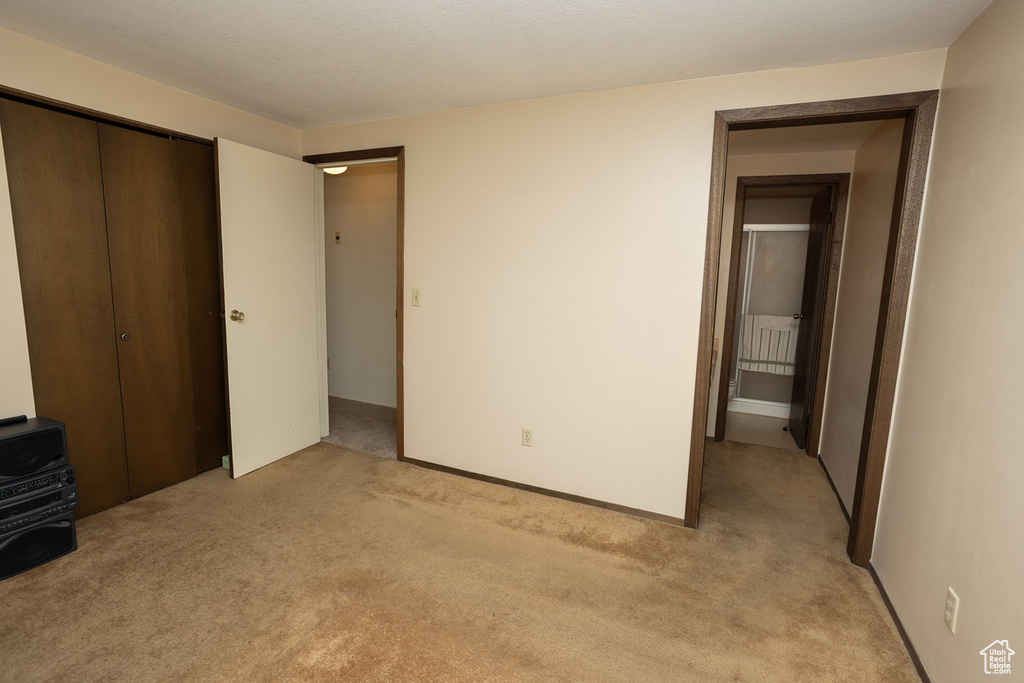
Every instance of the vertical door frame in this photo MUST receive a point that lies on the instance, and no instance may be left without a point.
(834, 250)
(918, 112)
(365, 155)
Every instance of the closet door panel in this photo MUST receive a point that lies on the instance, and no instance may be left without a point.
(202, 280)
(53, 163)
(140, 185)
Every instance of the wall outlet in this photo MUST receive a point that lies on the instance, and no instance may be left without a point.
(225, 462)
(415, 297)
(952, 607)
(527, 437)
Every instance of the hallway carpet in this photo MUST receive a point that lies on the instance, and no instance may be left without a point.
(363, 427)
(335, 566)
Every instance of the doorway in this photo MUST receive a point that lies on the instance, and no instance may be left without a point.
(783, 275)
(917, 110)
(360, 211)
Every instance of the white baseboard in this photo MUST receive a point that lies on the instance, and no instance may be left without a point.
(755, 407)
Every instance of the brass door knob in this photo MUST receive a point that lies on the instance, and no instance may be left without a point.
(237, 316)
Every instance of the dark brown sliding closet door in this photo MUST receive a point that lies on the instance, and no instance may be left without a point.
(144, 233)
(53, 167)
(202, 275)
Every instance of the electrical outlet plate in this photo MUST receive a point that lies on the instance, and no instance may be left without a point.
(527, 437)
(952, 607)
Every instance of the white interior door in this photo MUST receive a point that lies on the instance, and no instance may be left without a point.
(270, 272)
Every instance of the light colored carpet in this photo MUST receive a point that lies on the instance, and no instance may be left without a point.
(335, 566)
(363, 427)
(758, 429)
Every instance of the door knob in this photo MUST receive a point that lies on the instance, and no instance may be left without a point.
(237, 316)
(126, 336)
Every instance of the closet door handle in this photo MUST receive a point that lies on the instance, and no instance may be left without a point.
(126, 337)
(237, 316)
(798, 316)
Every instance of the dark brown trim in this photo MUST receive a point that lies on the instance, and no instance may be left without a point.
(911, 650)
(355, 155)
(875, 108)
(892, 317)
(918, 109)
(834, 489)
(706, 334)
(399, 154)
(836, 233)
(93, 115)
(400, 306)
(666, 519)
(732, 296)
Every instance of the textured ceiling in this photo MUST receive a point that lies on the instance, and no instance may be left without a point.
(310, 63)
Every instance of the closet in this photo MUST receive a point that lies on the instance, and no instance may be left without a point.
(117, 250)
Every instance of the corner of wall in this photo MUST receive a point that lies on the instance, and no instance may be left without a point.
(17, 397)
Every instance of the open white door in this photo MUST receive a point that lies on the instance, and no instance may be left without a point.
(270, 276)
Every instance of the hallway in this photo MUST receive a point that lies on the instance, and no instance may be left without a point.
(364, 427)
(775, 508)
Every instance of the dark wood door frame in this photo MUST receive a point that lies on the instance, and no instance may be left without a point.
(841, 181)
(917, 110)
(399, 154)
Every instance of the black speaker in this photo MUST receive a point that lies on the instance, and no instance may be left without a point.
(34, 501)
(35, 485)
(36, 544)
(31, 446)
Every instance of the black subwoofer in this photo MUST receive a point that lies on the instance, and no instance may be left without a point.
(31, 446)
(37, 494)
(36, 544)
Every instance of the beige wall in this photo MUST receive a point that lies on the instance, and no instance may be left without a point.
(559, 246)
(774, 209)
(952, 509)
(39, 68)
(15, 377)
(755, 165)
(362, 205)
(872, 191)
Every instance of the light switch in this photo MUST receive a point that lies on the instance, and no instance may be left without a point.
(415, 297)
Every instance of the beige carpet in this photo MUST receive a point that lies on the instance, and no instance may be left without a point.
(759, 429)
(335, 566)
(363, 427)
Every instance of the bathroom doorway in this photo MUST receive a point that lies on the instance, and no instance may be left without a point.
(787, 237)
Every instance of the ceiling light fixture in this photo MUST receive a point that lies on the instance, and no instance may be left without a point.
(335, 170)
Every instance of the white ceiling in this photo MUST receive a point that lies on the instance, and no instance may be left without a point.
(310, 63)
